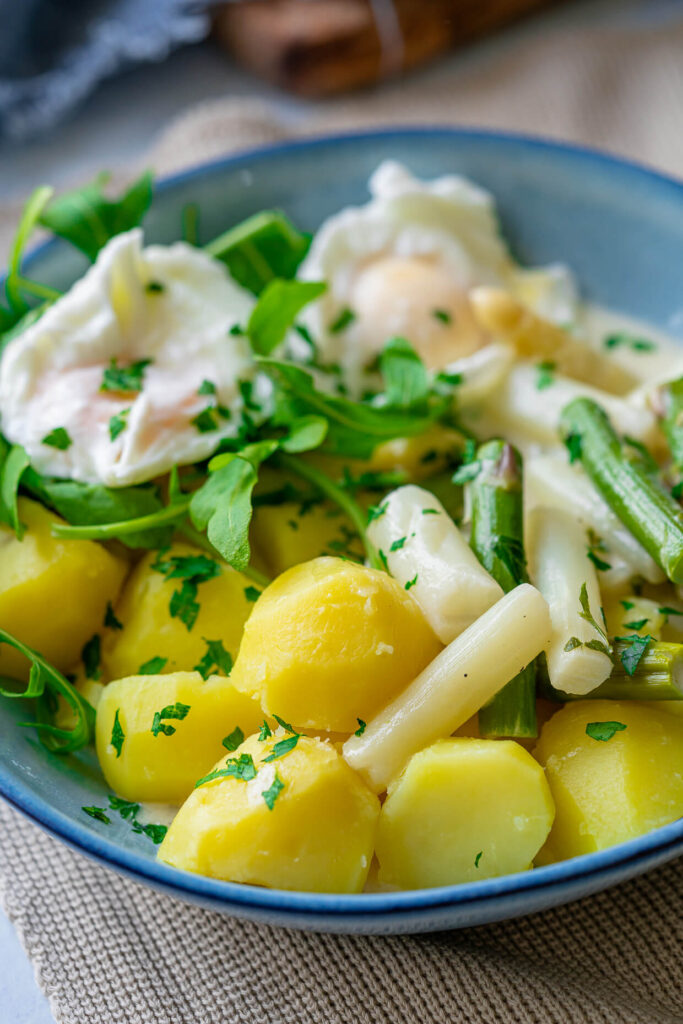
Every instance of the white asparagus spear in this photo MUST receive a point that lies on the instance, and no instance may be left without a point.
(551, 480)
(480, 372)
(460, 680)
(421, 542)
(560, 567)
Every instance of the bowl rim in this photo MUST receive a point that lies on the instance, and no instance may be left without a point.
(662, 843)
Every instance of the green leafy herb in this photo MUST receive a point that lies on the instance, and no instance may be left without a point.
(58, 438)
(631, 655)
(261, 248)
(216, 657)
(397, 544)
(88, 220)
(628, 605)
(466, 472)
(118, 423)
(271, 794)
(276, 310)
(375, 512)
(603, 731)
(110, 620)
(443, 315)
(636, 624)
(117, 734)
(510, 551)
(545, 376)
(405, 376)
(573, 444)
(155, 287)
(252, 593)
(478, 858)
(153, 667)
(126, 808)
(598, 562)
(124, 378)
(14, 463)
(282, 747)
(187, 567)
(572, 644)
(629, 341)
(305, 433)
(677, 491)
(411, 583)
(241, 767)
(666, 611)
(344, 320)
(91, 656)
(184, 604)
(430, 512)
(587, 616)
(176, 711)
(234, 740)
(361, 727)
(207, 387)
(156, 833)
(205, 421)
(383, 559)
(284, 725)
(98, 813)
(15, 283)
(451, 380)
(265, 732)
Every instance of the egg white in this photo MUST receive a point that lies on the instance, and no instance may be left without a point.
(51, 375)
(404, 263)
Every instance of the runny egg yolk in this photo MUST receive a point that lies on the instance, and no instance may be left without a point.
(417, 299)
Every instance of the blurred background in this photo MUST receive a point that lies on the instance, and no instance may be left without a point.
(87, 84)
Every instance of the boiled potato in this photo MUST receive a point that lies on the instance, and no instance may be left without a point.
(421, 456)
(330, 642)
(286, 536)
(463, 809)
(305, 821)
(150, 631)
(163, 768)
(610, 790)
(53, 593)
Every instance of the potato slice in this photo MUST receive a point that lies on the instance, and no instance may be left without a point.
(462, 810)
(150, 631)
(611, 789)
(53, 593)
(304, 821)
(163, 768)
(331, 642)
(286, 536)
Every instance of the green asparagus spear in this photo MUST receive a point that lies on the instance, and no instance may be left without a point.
(497, 541)
(671, 396)
(621, 476)
(657, 676)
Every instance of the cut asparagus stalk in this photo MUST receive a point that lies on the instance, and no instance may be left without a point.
(497, 539)
(423, 546)
(578, 657)
(633, 493)
(658, 676)
(469, 672)
(504, 316)
(551, 480)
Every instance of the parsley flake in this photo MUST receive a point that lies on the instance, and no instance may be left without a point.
(241, 767)
(155, 287)
(430, 512)
(252, 593)
(98, 814)
(110, 620)
(666, 611)
(452, 380)
(177, 711)
(234, 740)
(361, 727)
(207, 387)
(572, 644)
(573, 444)
(156, 833)
(126, 808)
(282, 747)
(443, 315)
(344, 320)
(545, 375)
(375, 512)
(636, 624)
(216, 657)
(598, 562)
(285, 725)
(117, 734)
(124, 378)
(58, 438)
(478, 858)
(632, 653)
(183, 604)
(627, 605)
(152, 667)
(603, 731)
(410, 583)
(205, 421)
(118, 423)
(265, 732)
(396, 545)
(91, 655)
(271, 794)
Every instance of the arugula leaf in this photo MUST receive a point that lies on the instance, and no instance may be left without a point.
(405, 377)
(276, 310)
(153, 667)
(282, 747)
(271, 794)
(260, 249)
(631, 655)
(632, 342)
(13, 464)
(86, 219)
(117, 734)
(603, 731)
(234, 740)
(305, 433)
(176, 711)
(58, 438)
(29, 220)
(124, 378)
(216, 657)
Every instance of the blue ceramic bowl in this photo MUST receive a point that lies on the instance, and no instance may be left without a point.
(620, 227)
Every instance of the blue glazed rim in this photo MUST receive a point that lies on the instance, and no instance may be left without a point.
(659, 845)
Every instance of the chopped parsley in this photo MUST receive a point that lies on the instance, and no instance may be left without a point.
(184, 605)
(153, 667)
(124, 378)
(205, 421)
(430, 512)
(241, 767)
(452, 380)
(628, 605)
(572, 644)
(410, 583)
(271, 794)
(207, 387)
(98, 813)
(545, 375)
(344, 320)
(126, 808)
(118, 423)
(397, 544)
(285, 725)
(193, 570)
(177, 711)
(586, 614)
(156, 833)
(478, 858)
(91, 655)
(234, 740)
(443, 315)
(573, 445)
(155, 287)
(58, 438)
(236, 331)
(282, 747)
(361, 727)
(603, 731)
(110, 620)
(677, 491)
(636, 624)
(252, 593)
(265, 732)
(629, 341)
(117, 734)
(633, 651)
(375, 512)
(216, 657)
(383, 559)
(666, 611)
(598, 562)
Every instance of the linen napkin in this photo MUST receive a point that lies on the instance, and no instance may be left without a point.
(108, 951)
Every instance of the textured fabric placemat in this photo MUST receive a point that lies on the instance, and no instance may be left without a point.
(107, 951)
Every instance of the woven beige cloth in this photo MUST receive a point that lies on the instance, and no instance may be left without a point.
(107, 951)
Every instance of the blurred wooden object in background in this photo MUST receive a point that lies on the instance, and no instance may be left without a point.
(319, 47)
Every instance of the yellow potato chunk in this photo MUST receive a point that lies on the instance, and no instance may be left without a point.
(151, 631)
(610, 790)
(305, 821)
(53, 593)
(463, 809)
(164, 767)
(291, 533)
(330, 642)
